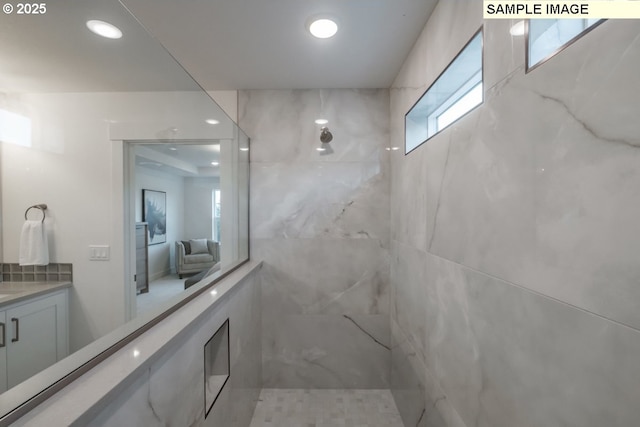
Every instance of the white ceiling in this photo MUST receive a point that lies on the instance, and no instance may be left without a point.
(264, 44)
(223, 44)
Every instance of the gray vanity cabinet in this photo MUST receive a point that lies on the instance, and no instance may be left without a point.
(33, 336)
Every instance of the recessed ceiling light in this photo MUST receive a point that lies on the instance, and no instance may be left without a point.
(322, 121)
(215, 163)
(212, 121)
(104, 29)
(321, 149)
(323, 28)
(244, 149)
(517, 29)
(395, 148)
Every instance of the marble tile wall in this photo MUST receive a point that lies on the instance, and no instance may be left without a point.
(171, 391)
(320, 223)
(514, 236)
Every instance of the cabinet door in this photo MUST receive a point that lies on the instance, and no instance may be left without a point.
(3, 351)
(36, 336)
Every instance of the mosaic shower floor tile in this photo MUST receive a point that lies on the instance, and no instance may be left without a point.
(326, 408)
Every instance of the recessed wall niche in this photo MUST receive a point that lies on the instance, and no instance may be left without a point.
(216, 366)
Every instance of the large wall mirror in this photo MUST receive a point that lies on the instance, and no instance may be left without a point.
(144, 176)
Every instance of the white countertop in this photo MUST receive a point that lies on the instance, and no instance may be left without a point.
(11, 292)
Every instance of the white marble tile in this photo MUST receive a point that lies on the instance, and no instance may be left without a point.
(281, 124)
(245, 381)
(319, 200)
(409, 294)
(539, 187)
(177, 380)
(418, 395)
(504, 54)
(544, 195)
(589, 67)
(505, 356)
(321, 225)
(131, 407)
(327, 351)
(484, 214)
(318, 276)
(406, 385)
(438, 45)
(325, 312)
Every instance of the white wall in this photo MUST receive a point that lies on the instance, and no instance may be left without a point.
(162, 255)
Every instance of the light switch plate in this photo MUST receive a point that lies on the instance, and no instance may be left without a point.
(98, 252)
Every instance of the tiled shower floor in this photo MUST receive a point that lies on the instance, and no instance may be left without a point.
(326, 408)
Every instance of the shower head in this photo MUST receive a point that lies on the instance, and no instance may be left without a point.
(325, 135)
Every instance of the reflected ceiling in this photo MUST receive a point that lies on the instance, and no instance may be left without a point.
(62, 55)
(180, 159)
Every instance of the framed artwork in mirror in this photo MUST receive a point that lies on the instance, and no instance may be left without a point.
(154, 213)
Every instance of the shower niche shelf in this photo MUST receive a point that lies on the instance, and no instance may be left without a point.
(216, 366)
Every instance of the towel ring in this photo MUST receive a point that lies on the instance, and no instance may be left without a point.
(41, 206)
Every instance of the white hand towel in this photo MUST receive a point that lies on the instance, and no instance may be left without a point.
(34, 248)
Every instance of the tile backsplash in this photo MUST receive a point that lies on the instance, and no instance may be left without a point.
(54, 272)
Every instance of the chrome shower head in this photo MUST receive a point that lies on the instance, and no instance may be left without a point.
(325, 135)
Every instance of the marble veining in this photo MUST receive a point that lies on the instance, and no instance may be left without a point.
(513, 236)
(320, 223)
(438, 198)
(366, 332)
(586, 126)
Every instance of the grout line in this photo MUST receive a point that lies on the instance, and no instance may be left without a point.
(524, 288)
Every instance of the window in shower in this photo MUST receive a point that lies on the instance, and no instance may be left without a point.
(457, 91)
(547, 37)
(215, 218)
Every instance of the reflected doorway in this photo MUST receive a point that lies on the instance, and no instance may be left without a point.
(184, 177)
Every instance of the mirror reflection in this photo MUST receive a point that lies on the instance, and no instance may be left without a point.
(178, 208)
(144, 176)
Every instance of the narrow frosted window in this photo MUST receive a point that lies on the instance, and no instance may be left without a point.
(547, 37)
(457, 91)
(15, 129)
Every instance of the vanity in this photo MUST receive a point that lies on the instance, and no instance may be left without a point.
(34, 328)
